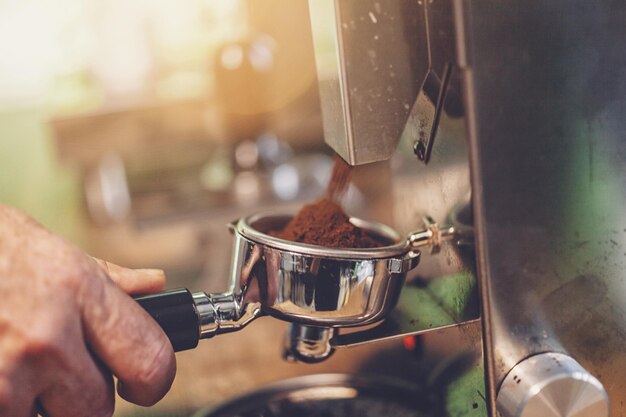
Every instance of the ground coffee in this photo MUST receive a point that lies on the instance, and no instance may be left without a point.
(324, 223)
(339, 180)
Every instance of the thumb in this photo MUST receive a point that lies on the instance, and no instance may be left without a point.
(134, 281)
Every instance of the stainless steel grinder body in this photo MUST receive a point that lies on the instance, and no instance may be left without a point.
(544, 99)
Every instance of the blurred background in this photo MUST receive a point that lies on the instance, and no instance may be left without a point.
(138, 130)
(150, 114)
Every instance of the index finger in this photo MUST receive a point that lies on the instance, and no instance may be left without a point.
(134, 281)
(128, 340)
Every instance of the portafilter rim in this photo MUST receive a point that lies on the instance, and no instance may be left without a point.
(245, 228)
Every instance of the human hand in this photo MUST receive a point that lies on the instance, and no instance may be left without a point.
(67, 325)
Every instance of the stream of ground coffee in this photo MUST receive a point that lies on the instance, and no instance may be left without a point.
(324, 222)
(339, 180)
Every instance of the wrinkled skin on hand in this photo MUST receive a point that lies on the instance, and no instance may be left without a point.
(67, 325)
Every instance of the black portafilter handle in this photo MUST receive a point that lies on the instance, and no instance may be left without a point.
(175, 311)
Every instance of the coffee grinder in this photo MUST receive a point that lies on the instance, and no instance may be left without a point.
(520, 105)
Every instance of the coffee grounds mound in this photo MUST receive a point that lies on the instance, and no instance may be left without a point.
(324, 223)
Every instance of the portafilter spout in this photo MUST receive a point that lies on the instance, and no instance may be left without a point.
(316, 289)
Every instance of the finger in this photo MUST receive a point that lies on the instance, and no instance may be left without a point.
(129, 341)
(134, 281)
(18, 376)
(82, 387)
(16, 396)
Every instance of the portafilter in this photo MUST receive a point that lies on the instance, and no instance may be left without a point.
(317, 289)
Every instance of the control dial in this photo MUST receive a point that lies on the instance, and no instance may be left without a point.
(551, 385)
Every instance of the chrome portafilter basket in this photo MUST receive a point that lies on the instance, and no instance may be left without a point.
(316, 289)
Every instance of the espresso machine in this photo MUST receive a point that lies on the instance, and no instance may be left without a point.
(514, 116)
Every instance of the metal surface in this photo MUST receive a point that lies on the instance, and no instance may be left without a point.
(308, 343)
(312, 285)
(551, 385)
(432, 237)
(369, 89)
(333, 395)
(439, 83)
(546, 99)
(426, 113)
(207, 314)
(376, 61)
